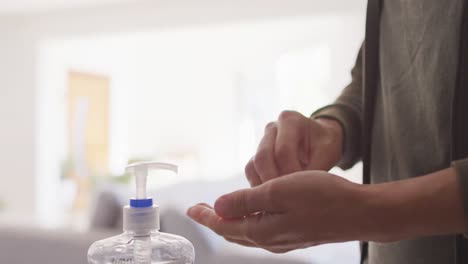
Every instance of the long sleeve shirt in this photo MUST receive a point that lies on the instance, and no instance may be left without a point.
(419, 44)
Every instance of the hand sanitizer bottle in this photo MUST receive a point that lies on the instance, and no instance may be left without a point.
(141, 242)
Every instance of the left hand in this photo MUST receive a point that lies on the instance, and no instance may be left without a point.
(296, 211)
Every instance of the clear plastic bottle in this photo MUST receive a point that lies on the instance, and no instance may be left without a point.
(141, 242)
(157, 248)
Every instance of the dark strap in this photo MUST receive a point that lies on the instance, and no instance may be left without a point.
(371, 78)
(459, 144)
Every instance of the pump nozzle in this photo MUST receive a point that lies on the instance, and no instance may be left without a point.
(141, 169)
(142, 216)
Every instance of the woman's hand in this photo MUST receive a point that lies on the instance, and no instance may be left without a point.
(295, 143)
(291, 212)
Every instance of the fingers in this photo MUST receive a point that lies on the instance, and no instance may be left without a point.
(288, 141)
(244, 243)
(251, 174)
(234, 229)
(253, 230)
(278, 249)
(264, 161)
(281, 149)
(245, 202)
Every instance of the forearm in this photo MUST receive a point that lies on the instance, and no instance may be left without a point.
(422, 206)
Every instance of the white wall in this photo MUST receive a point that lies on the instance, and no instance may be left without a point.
(17, 132)
(21, 35)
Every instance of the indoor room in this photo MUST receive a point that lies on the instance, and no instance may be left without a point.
(88, 87)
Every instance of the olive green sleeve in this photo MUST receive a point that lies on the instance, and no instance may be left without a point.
(347, 110)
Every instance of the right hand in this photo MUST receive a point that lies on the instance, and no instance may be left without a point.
(294, 143)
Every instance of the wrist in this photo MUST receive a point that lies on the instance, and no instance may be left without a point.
(376, 214)
(364, 215)
(335, 133)
(333, 125)
(406, 209)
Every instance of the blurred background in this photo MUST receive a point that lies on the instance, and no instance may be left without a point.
(88, 86)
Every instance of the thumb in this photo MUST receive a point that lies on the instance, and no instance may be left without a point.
(244, 202)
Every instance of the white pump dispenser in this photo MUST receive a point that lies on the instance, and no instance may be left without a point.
(142, 243)
(142, 216)
(140, 171)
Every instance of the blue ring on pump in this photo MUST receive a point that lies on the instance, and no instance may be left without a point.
(141, 203)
